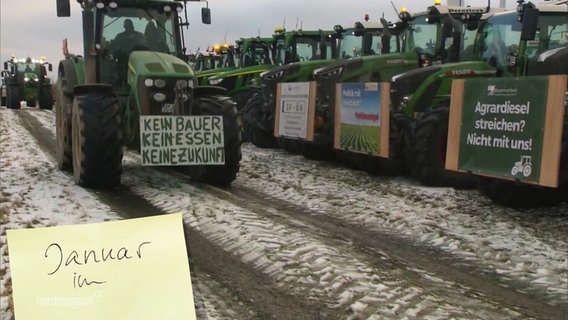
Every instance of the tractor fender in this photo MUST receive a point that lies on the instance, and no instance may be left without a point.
(67, 68)
(93, 88)
(201, 91)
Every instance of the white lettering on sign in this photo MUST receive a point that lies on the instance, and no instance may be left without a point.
(182, 140)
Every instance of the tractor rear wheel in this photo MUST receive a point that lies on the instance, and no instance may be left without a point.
(512, 194)
(97, 140)
(252, 130)
(13, 94)
(63, 103)
(221, 175)
(45, 97)
(429, 152)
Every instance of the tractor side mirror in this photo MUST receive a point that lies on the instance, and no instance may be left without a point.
(5, 65)
(49, 67)
(530, 23)
(206, 15)
(63, 8)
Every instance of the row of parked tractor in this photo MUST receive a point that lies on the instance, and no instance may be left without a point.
(454, 96)
(405, 97)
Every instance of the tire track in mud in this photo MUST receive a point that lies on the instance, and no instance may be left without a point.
(409, 260)
(239, 291)
(319, 268)
(394, 296)
(462, 223)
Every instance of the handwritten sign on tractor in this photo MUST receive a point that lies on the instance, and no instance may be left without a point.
(508, 127)
(128, 269)
(181, 140)
(361, 118)
(295, 109)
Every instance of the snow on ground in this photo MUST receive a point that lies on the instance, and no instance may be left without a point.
(461, 222)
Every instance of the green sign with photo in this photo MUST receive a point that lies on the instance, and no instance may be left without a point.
(502, 127)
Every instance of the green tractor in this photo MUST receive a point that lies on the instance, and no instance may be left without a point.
(535, 45)
(132, 87)
(254, 57)
(215, 60)
(287, 47)
(26, 79)
(363, 38)
(248, 52)
(440, 34)
(424, 95)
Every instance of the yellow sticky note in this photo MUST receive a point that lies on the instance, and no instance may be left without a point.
(128, 269)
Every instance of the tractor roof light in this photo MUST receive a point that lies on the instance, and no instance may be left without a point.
(404, 15)
(167, 8)
(100, 5)
(179, 8)
(113, 5)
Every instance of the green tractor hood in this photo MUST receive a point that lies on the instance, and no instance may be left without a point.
(156, 64)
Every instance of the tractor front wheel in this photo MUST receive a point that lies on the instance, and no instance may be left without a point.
(97, 140)
(429, 152)
(253, 131)
(13, 94)
(63, 105)
(221, 175)
(515, 195)
(45, 97)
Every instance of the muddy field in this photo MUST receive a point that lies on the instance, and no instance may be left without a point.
(300, 239)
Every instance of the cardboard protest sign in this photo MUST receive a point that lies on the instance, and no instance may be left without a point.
(128, 269)
(295, 110)
(362, 118)
(181, 140)
(507, 127)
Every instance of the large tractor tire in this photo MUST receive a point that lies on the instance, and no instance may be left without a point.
(515, 195)
(45, 97)
(63, 103)
(221, 175)
(97, 140)
(253, 130)
(429, 152)
(13, 94)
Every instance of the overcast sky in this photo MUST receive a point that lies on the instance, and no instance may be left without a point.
(32, 28)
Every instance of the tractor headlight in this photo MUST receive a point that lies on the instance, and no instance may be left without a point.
(215, 81)
(182, 84)
(26, 79)
(272, 76)
(328, 73)
(159, 83)
(403, 102)
(159, 97)
(113, 5)
(148, 83)
(36, 79)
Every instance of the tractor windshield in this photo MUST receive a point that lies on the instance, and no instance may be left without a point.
(552, 33)
(496, 35)
(123, 30)
(256, 53)
(420, 36)
(127, 29)
(29, 68)
(302, 48)
(352, 42)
